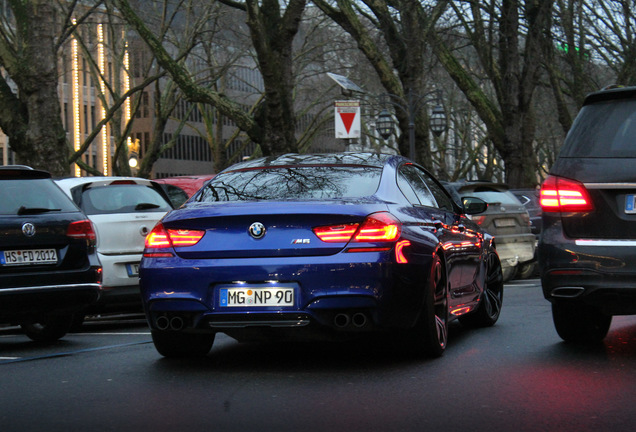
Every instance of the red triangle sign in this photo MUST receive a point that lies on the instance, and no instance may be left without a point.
(347, 120)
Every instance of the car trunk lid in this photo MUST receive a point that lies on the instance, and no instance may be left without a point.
(264, 229)
(123, 233)
(614, 214)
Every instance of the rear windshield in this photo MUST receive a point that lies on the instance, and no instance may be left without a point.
(124, 198)
(603, 130)
(292, 183)
(493, 197)
(33, 196)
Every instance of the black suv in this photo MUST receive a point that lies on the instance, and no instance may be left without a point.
(587, 250)
(48, 265)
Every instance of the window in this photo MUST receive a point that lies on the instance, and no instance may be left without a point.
(290, 183)
(409, 174)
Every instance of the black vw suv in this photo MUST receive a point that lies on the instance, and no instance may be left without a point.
(48, 266)
(587, 250)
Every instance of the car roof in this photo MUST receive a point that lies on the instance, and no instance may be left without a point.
(472, 186)
(613, 93)
(72, 182)
(292, 159)
(16, 172)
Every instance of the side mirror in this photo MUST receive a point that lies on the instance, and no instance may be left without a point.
(474, 205)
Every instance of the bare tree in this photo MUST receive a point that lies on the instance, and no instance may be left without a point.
(398, 57)
(612, 27)
(273, 31)
(272, 126)
(506, 39)
(31, 34)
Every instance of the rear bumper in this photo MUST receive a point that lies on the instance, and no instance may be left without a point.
(515, 250)
(364, 293)
(120, 284)
(595, 272)
(119, 269)
(34, 301)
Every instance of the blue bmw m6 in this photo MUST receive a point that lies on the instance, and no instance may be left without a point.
(301, 246)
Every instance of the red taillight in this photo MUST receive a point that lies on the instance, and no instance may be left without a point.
(377, 227)
(82, 230)
(399, 251)
(160, 238)
(123, 182)
(185, 238)
(336, 233)
(563, 195)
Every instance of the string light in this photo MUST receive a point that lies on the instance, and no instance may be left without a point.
(76, 97)
(101, 61)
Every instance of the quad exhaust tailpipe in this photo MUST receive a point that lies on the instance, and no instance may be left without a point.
(341, 320)
(357, 320)
(164, 323)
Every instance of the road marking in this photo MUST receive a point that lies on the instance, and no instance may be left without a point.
(111, 334)
(69, 353)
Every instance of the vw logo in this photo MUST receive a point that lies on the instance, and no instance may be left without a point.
(257, 230)
(28, 229)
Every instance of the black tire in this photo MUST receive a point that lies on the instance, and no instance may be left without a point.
(48, 329)
(524, 271)
(176, 344)
(430, 334)
(489, 308)
(580, 323)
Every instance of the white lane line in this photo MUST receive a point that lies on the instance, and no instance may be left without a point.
(111, 334)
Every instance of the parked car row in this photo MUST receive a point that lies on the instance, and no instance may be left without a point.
(71, 247)
(332, 245)
(120, 212)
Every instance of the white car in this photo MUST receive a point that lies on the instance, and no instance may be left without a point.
(123, 210)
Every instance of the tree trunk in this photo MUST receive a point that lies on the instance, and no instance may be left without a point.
(42, 143)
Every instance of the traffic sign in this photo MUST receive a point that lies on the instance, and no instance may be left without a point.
(347, 119)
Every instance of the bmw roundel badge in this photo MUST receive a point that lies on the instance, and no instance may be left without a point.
(257, 230)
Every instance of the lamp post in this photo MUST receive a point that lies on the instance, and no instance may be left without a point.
(437, 119)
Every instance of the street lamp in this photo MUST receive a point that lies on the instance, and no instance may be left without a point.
(437, 120)
(384, 124)
(133, 153)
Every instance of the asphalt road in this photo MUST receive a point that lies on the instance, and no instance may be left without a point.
(516, 376)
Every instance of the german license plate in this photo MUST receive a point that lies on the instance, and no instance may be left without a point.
(132, 269)
(28, 257)
(503, 223)
(250, 296)
(629, 204)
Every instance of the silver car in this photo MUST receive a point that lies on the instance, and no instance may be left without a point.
(508, 220)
